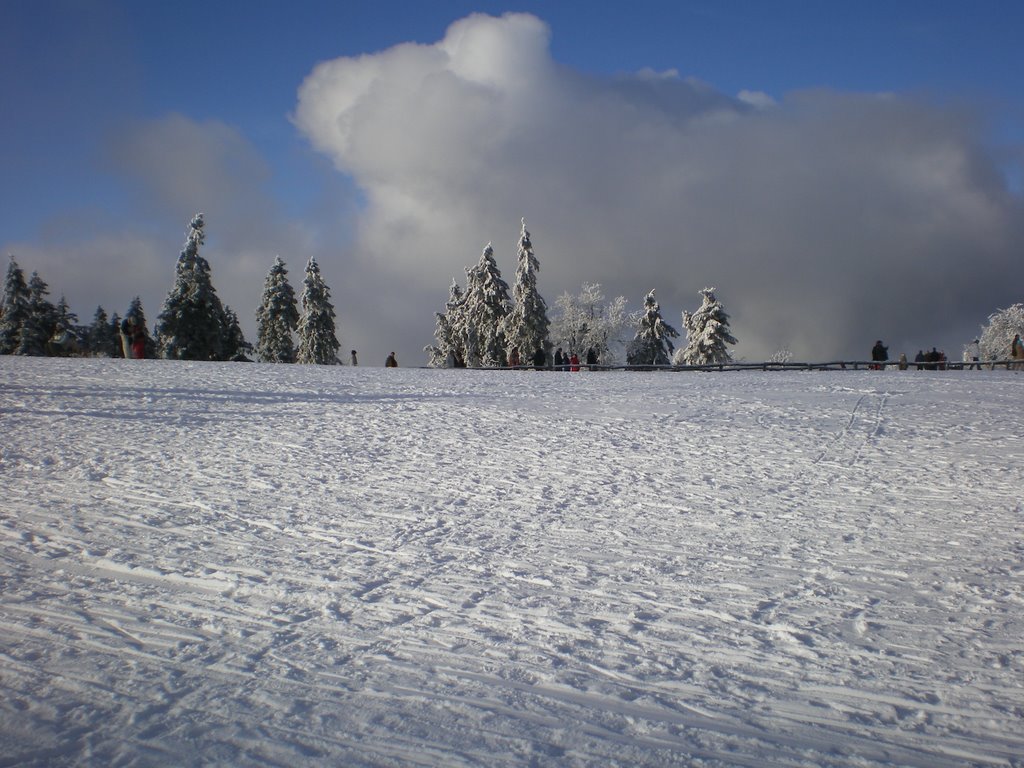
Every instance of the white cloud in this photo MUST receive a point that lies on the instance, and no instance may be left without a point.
(758, 99)
(826, 221)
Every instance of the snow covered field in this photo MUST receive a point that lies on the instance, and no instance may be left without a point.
(293, 565)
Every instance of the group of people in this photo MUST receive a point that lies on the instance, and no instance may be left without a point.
(933, 360)
(936, 360)
(564, 362)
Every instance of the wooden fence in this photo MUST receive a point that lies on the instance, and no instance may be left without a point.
(836, 365)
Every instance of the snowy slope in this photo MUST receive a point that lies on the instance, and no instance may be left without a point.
(296, 565)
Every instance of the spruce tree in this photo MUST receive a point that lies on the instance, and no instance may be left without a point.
(449, 333)
(192, 325)
(318, 342)
(138, 315)
(40, 320)
(652, 344)
(486, 307)
(115, 336)
(276, 318)
(707, 333)
(526, 327)
(65, 316)
(233, 345)
(101, 337)
(13, 308)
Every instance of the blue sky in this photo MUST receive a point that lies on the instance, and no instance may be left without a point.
(103, 97)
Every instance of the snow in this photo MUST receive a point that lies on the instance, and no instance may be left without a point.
(248, 564)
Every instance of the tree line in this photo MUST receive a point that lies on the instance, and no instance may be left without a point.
(193, 324)
(483, 326)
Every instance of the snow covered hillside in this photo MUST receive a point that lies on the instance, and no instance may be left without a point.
(292, 565)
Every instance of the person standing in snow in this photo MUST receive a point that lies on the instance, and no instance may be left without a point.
(355, 361)
(540, 359)
(574, 362)
(1017, 352)
(391, 362)
(879, 354)
(591, 358)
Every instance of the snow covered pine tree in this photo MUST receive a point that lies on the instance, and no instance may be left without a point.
(486, 306)
(13, 308)
(318, 342)
(192, 324)
(277, 317)
(652, 344)
(449, 333)
(707, 333)
(526, 326)
(40, 320)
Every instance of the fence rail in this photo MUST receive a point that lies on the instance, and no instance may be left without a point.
(835, 365)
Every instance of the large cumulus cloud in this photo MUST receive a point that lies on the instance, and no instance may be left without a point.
(825, 219)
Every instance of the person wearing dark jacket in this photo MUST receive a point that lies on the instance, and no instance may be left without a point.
(540, 359)
(879, 354)
(391, 362)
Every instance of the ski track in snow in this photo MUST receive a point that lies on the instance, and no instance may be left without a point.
(295, 565)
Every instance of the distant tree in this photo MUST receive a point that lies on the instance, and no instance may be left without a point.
(276, 318)
(40, 321)
(526, 326)
(192, 325)
(13, 308)
(652, 344)
(585, 322)
(781, 356)
(486, 306)
(707, 333)
(233, 345)
(65, 316)
(115, 335)
(449, 332)
(102, 338)
(318, 341)
(138, 315)
(997, 335)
